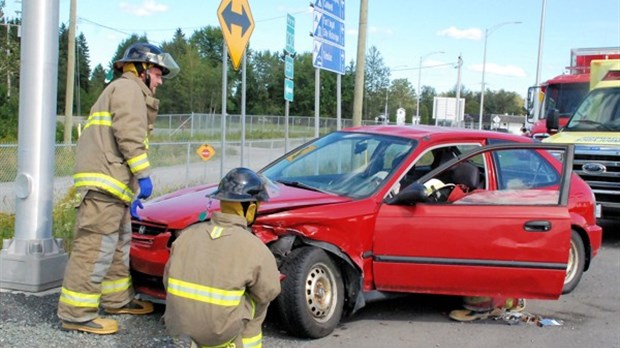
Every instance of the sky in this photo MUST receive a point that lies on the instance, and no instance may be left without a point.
(407, 33)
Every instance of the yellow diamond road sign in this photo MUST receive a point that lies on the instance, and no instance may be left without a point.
(206, 152)
(237, 25)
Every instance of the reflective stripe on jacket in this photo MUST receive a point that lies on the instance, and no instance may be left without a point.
(112, 150)
(219, 276)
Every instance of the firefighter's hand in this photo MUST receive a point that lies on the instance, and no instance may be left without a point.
(133, 210)
(146, 188)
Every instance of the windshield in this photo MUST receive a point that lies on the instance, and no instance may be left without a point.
(347, 164)
(564, 97)
(600, 111)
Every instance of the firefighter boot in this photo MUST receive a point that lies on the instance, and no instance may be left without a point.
(135, 307)
(99, 326)
(468, 315)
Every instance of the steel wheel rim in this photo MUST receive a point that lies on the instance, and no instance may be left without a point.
(571, 269)
(321, 292)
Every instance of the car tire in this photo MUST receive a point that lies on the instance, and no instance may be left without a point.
(576, 263)
(312, 298)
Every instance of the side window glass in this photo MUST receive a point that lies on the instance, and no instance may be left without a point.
(526, 176)
(524, 169)
(470, 174)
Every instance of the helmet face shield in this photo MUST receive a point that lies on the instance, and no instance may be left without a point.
(165, 61)
(272, 189)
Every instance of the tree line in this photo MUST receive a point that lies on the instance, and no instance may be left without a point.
(198, 86)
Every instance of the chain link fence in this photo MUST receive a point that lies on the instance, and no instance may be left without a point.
(191, 125)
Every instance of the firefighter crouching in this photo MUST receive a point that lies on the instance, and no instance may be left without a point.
(111, 163)
(220, 278)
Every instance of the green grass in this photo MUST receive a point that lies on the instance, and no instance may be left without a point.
(63, 216)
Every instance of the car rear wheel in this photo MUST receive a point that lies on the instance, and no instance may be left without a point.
(576, 263)
(312, 298)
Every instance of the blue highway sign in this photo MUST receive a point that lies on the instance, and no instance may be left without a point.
(328, 57)
(333, 7)
(328, 28)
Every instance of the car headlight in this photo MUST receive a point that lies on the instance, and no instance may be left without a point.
(559, 155)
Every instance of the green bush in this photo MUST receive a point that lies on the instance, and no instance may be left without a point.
(7, 225)
(63, 216)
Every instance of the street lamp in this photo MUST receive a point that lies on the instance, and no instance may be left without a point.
(487, 32)
(417, 108)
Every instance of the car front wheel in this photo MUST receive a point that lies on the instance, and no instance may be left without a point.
(576, 263)
(311, 302)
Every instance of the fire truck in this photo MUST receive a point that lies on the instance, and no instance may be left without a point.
(563, 92)
(594, 128)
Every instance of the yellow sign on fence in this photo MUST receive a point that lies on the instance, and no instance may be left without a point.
(206, 152)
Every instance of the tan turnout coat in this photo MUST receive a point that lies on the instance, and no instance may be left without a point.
(220, 279)
(112, 151)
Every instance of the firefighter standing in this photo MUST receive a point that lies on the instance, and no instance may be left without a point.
(112, 162)
(220, 278)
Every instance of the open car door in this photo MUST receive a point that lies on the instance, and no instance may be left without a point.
(509, 238)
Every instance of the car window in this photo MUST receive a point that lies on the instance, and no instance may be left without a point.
(523, 169)
(432, 159)
(342, 163)
(524, 177)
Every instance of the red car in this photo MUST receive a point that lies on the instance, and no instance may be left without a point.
(368, 212)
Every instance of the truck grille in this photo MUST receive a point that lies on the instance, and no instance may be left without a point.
(599, 166)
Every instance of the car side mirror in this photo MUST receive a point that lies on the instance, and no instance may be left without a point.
(414, 193)
(553, 120)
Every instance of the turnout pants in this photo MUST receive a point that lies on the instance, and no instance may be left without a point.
(98, 269)
(250, 335)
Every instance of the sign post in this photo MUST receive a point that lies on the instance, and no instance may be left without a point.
(237, 24)
(289, 72)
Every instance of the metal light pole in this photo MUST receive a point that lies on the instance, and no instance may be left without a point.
(417, 108)
(34, 260)
(385, 113)
(487, 32)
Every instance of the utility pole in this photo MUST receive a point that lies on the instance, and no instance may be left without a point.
(70, 76)
(360, 66)
(458, 120)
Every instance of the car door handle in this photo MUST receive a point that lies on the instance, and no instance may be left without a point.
(537, 226)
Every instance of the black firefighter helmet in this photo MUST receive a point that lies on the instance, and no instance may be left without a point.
(241, 185)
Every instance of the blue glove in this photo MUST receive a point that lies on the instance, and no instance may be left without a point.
(133, 209)
(146, 187)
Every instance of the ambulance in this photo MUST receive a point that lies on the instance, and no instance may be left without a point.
(595, 130)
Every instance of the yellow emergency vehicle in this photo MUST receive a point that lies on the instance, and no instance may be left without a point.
(595, 130)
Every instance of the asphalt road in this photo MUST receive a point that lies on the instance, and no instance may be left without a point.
(590, 315)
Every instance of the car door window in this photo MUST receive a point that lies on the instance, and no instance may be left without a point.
(518, 169)
(523, 177)
(437, 156)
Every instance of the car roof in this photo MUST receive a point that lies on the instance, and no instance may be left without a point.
(437, 133)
